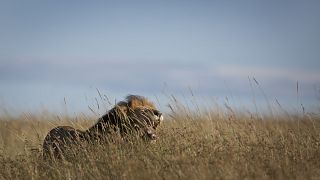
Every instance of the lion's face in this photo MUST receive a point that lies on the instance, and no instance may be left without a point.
(145, 120)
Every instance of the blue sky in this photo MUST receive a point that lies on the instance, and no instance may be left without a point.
(56, 50)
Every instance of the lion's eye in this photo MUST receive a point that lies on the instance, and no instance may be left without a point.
(157, 113)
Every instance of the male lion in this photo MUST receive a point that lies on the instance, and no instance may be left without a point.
(135, 116)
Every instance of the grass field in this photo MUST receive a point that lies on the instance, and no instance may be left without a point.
(192, 145)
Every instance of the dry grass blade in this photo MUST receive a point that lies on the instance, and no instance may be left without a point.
(207, 145)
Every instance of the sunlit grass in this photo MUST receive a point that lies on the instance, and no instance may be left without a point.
(194, 143)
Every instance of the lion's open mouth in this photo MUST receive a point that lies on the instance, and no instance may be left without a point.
(150, 135)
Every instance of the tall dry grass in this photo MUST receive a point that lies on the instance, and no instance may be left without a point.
(192, 144)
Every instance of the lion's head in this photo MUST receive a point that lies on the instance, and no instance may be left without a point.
(134, 115)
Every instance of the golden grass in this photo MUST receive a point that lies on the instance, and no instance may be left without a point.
(202, 145)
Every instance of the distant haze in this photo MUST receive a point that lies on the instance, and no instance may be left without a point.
(57, 53)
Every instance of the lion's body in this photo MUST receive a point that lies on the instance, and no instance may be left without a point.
(136, 114)
(59, 139)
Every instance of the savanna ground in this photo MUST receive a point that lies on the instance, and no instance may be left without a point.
(200, 144)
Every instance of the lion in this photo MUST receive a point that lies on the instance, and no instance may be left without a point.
(134, 116)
